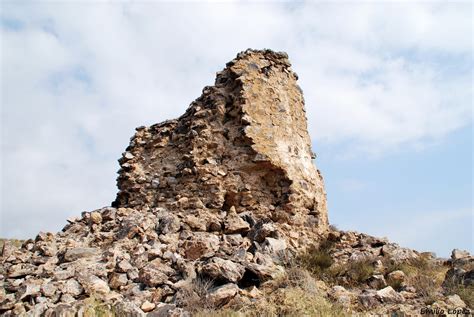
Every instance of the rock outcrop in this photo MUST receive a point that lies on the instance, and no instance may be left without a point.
(216, 194)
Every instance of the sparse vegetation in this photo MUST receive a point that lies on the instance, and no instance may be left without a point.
(97, 308)
(317, 259)
(359, 271)
(465, 292)
(193, 297)
(294, 301)
(15, 242)
(421, 273)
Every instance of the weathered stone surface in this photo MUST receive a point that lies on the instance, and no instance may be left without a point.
(21, 269)
(72, 287)
(155, 274)
(396, 277)
(220, 269)
(455, 301)
(147, 306)
(78, 253)
(274, 245)
(457, 254)
(369, 299)
(398, 254)
(377, 281)
(117, 280)
(201, 245)
(341, 295)
(222, 294)
(389, 295)
(234, 224)
(94, 285)
(29, 288)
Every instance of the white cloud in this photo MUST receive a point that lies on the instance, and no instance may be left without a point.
(77, 78)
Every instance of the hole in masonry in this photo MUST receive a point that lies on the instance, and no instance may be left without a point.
(230, 199)
(249, 279)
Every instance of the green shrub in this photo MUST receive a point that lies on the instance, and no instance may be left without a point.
(317, 259)
(465, 292)
(359, 271)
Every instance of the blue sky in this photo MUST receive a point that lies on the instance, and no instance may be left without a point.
(388, 90)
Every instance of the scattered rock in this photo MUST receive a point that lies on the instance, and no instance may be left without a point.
(147, 306)
(396, 277)
(72, 287)
(455, 301)
(341, 295)
(221, 295)
(94, 285)
(457, 254)
(220, 269)
(78, 253)
(377, 282)
(201, 245)
(274, 245)
(155, 273)
(234, 224)
(369, 299)
(389, 295)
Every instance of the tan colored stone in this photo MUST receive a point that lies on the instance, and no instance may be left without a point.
(201, 245)
(222, 294)
(234, 224)
(147, 306)
(220, 269)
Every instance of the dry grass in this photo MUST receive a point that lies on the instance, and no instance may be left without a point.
(465, 292)
(319, 262)
(317, 259)
(293, 301)
(218, 313)
(193, 297)
(294, 293)
(361, 270)
(423, 274)
(16, 242)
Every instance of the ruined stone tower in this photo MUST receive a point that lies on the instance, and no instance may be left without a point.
(243, 143)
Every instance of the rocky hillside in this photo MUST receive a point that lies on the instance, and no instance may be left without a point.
(223, 212)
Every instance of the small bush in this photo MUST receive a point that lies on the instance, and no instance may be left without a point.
(422, 273)
(426, 286)
(359, 271)
(15, 242)
(294, 301)
(317, 259)
(193, 297)
(396, 285)
(465, 292)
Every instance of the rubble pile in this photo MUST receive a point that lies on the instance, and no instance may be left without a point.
(215, 194)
